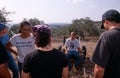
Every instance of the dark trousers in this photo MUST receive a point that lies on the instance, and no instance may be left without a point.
(13, 66)
(75, 56)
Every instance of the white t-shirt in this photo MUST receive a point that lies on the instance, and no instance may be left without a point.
(23, 45)
(72, 45)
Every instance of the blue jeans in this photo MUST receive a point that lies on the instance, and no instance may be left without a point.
(20, 67)
(75, 56)
(13, 66)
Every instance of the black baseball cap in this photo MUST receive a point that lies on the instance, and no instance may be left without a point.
(110, 15)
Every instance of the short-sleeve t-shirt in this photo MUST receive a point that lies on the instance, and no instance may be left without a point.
(107, 53)
(24, 45)
(45, 64)
(72, 45)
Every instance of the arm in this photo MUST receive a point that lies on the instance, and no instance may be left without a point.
(98, 71)
(66, 50)
(66, 46)
(4, 72)
(9, 47)
(79, 50)
(65, 72)
(25, 75)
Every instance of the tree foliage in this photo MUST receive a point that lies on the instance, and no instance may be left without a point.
(14, 29)
(83, 27)
(58, 32)
(4, 15)
(35, 21)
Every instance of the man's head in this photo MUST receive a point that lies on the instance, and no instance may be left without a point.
(110, 15)
(43, 35)
(2, 26)
(2, 29)
(73, 35)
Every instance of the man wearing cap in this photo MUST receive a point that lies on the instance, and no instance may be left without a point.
(11, 63)
(106, 55)
(4, 72)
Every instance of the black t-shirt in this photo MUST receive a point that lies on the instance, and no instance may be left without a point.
(107, 53)
(3, 54)
(45, 64)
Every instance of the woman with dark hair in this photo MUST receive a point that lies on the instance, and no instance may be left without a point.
(23, 41)
(46, 61)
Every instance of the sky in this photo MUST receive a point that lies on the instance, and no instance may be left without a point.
(58, 11)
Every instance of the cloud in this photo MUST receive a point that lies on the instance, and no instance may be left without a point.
(76, 1)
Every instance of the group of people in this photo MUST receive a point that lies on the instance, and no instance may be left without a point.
(34, 53)
(38, 59)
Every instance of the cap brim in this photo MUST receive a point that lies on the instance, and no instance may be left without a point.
(102, 26)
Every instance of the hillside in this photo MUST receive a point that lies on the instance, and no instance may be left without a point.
(58, 25)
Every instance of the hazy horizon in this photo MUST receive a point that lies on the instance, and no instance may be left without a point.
(58, 11)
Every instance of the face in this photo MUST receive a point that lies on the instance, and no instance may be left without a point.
(106, 25)
(73, 35)
(3, 32)
(25, 29)
(6, 30)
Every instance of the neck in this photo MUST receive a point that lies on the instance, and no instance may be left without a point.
(25, 35)
(114, 25)
(46, 48)
(72, 38)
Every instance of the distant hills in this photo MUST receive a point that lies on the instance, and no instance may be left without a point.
(58, 25)
(52, 25)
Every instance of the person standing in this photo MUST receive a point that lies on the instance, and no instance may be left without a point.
(45, 61)
(11, 63)
(23, 41)
(106, 55)
(4, 58)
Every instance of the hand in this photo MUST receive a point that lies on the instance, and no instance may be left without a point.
(98, 71)
(66, 53)
(80, 53)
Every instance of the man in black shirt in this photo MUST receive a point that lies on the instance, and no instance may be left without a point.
(107, 52)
